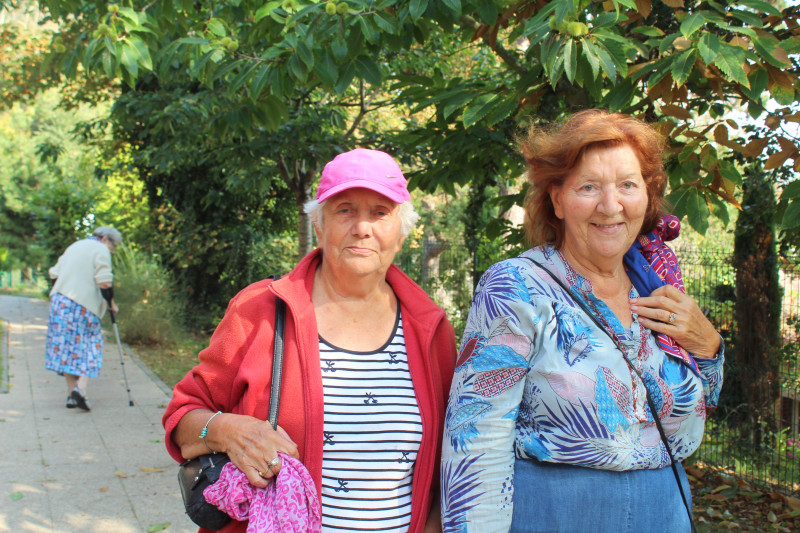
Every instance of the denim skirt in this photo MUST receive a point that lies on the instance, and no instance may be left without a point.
(558, 498)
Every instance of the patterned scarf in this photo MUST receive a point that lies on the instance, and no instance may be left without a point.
(652, 264)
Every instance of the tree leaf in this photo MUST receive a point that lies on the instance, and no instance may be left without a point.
(130, 59)
(145, 59)
(778, 158)
(16, 496)
(729, 171)
(678, 200)
(591, 56)
(266, 10)
(570, 59)
(259, 81)
(158, 527)
(676, 111)
(369, 33)
(326, 69)
(649, 31)
(792, 190)
(216, 27)
(368, 69)
(305, 53)
(682, 66)
(692, 23)
(708, 47)
(791, 217)
(345, 78)
(750, 19)
(768, 47)
(760, 5)
(697, 211)
(416, 8)
(730, 61)
(386, 22)
(720, 209)
(339, 49)
(479, 108)
(458, 101)
(500, 112)
(454, 5)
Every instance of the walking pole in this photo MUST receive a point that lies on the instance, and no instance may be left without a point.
(121, 360)
(108, 296)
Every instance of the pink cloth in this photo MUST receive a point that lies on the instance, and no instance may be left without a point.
(287, 505)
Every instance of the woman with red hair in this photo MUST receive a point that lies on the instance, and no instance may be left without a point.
(585, 372)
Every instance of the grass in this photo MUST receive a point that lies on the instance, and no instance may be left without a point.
(171, 363)
(25, 291)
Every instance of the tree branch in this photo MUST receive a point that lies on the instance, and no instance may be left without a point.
(508, 58)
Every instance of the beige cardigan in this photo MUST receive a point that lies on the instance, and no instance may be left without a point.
(81, 268)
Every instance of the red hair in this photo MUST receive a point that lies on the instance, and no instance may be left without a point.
(552, 154)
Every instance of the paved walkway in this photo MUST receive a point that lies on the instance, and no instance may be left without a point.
(66, 470)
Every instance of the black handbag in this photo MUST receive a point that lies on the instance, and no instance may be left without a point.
(196, 474)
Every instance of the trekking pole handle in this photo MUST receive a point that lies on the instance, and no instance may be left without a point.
(108, 295)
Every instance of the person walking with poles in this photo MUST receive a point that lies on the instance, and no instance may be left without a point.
(80, 297)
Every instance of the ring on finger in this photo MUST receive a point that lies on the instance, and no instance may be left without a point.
(274, 462)
(262, 474)
(672, 317)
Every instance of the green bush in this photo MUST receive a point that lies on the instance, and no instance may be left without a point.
(151, 310)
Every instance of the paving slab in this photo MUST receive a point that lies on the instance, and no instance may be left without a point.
(70, 471)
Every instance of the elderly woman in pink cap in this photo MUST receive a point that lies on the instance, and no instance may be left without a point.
(368, 360)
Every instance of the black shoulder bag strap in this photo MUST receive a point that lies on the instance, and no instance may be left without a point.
(277, 361)
(650, 402)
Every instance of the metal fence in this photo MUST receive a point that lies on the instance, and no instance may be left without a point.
(767, 455)
(766, 451)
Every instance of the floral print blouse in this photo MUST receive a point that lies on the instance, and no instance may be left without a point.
(537, 379)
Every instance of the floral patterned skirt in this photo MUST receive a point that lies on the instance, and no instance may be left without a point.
(74, 339)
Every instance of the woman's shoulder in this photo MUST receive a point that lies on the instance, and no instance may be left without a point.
(254, 294)
(525, 262)
(535, 270)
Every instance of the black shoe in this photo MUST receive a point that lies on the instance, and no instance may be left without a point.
(71, 403)
(80, 399)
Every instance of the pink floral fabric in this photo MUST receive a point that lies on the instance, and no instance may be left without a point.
(287, 505)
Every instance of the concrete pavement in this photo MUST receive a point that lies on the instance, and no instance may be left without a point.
(67, 470)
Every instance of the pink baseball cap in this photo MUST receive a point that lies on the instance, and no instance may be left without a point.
(370, 169)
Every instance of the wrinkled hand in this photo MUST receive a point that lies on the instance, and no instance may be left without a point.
(252, 443)
(689, 326)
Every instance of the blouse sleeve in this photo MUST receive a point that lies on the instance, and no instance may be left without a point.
(478, 450)
(711, 375)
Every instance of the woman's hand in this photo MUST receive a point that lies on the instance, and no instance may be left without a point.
(249, 442)
(667, 310)
(253, 446)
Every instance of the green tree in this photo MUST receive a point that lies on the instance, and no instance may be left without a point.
(756, 356)
(681, 64)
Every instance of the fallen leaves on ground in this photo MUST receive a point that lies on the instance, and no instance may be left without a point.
(724, 503)
(16, 496)
(150, 469)
(158, 527)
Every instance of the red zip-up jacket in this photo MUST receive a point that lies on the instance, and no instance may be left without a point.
(235, 371)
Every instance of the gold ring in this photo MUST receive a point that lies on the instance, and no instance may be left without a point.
(672, 317)
(262, 474)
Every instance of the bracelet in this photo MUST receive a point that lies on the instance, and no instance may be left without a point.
(205, 430)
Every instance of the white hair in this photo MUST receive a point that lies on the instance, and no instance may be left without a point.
(107, 231)
(408, 216)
